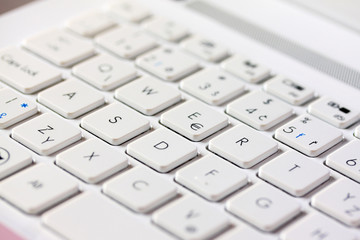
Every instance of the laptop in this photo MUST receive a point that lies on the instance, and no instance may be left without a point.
(196, 119)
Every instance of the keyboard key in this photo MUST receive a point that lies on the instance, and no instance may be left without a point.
(92, 160)
(71, 98)
(166, 29)
(148, 95)
(317, 227)
(46, 134)
(211, 177)
(308, 135)
(38, 188)
(244, 233)
(266, 207)
(191, 218)
(294, 173)
(243, 146)
(289, 90)
(129, 10)
(260, 110)
(245, 69)
(334, 112)
(92, 216)
(341, 201)
(346, 160)
(115, 123)
(167, 64)
(105, 71)
(25, 72)
(126, 42)
(194, 120)
(212, 86)
(59, 47)
(12, 157)
(14, 108)
(90, 23)
(140, 189)
(204, 48)
(357, 132)
(162, 150)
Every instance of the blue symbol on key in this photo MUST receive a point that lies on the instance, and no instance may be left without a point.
(2, 115)
(158, 64)
(301, 134)
(24, 105)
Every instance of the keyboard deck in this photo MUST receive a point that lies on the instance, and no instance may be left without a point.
(122, 122)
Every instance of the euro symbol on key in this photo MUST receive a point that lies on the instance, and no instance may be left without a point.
(196, 126)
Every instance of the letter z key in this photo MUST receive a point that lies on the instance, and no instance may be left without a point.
(46, 134)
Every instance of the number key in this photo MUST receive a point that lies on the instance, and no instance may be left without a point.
(259, 109)
(347, 160)
(308, 135)
(334, 112)
(212, 86)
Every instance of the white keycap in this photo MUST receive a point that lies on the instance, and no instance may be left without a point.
(166, 29)
(14, 108)
(46, 134)
(212, 86)
(12, 157)
(126, 42)
(59, 47)
(129, 10)
(190, 218)
(346, 160)
(317, 227)
(357, 132)
(259, 109)
(162, 150)
(25, 72)
(341, 200)
(308, 135)
(334, 112)
(245, 69)
(148, 95)
(92, 216)
(115, 123)
(289, 90)
(167, 64)
(90, 23)
(105, 71)
(140, 189)
(38, 188)
(71, 98)
(243, 146)
(204, 48)
(92, 160)
(266, 207)
(194, 120)
(294, 173)
(211, 177)
(244, 233)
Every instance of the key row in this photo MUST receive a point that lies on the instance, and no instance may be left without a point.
(142, 190)
(115, 123)
(240, 145)
(260, 110)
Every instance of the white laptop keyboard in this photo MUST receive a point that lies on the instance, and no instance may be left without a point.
(161, 133)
